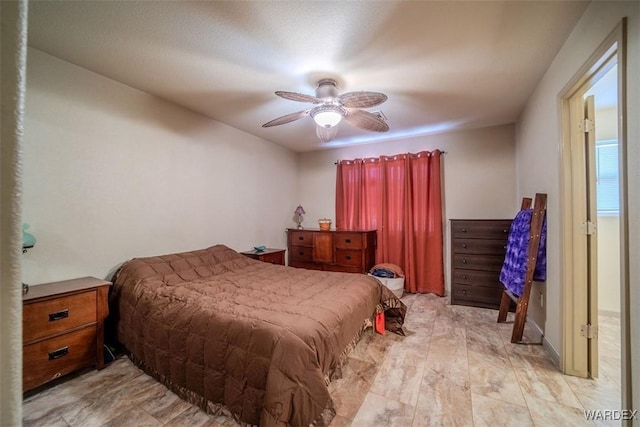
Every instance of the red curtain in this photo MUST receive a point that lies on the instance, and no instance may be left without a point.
(400, 197)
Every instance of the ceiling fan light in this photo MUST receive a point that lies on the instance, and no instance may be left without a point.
(327, 118)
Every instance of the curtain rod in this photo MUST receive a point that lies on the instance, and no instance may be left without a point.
(441, 152)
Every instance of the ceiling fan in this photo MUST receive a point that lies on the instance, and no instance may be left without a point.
(331, 108)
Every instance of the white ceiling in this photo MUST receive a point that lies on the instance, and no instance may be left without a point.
(444, 65)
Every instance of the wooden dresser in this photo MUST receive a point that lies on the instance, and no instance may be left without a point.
(62, 328)
(478, 248)
(348, 251)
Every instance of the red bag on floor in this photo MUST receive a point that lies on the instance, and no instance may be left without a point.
(380, 323)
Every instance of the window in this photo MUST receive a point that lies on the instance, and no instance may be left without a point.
(607, 191)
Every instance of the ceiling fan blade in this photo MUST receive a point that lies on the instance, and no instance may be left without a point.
(326, 134)
(288, 118)
(361, 99)
(366, 120)
(299, 97)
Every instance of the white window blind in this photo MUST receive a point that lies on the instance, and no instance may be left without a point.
(607, 191)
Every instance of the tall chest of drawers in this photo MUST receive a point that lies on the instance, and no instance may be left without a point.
(478, 248)
(62, 328)
(347, 251)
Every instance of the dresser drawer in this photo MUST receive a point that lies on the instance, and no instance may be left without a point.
(480, 246)
(478, 262)
(476, 278)
(348, 258)
(488, 297)
(301, 253)
(349, 241)
(480, 229)
(46, 360)
(342, 268)
(301, 238)
(49, 317)
(305, 264)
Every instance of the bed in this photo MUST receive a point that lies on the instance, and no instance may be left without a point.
(243, 337)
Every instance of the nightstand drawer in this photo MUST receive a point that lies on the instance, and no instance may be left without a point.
(273, 258)
(46, 360)
(269, 255)
(50, 317)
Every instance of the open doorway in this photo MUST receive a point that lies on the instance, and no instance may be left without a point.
(607, 192)
(595, 250)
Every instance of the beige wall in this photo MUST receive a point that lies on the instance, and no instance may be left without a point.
(112, 173)
(478, 174)
(538, 138)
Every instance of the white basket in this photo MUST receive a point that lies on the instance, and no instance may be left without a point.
(395, 285)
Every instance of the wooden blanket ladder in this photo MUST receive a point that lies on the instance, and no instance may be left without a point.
(522, 302)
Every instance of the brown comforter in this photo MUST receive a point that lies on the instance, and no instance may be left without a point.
(230, 333)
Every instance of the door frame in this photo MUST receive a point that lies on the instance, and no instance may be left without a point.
(575, 302)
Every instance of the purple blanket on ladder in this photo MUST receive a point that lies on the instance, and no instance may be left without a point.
(514, 268)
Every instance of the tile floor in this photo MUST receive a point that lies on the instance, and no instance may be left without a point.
(455, 367)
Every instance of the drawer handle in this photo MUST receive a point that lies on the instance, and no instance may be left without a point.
(347, 240)
(300, 237)
(464, 276)
(56, 354)
(464, 245)
(464, 230)
(300, 252)
(505, 231)
(464, 260)
(273, 261)
(58, 315)
(464, 292)
(504, 247)
(348, 257)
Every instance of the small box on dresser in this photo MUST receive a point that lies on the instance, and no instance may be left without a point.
(62, 329)
(478, 248)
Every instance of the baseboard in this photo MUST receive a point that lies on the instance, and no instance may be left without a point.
(535, 326)
(553, 354)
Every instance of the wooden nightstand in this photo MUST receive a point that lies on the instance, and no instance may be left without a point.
(274, 256)
(62, 328)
